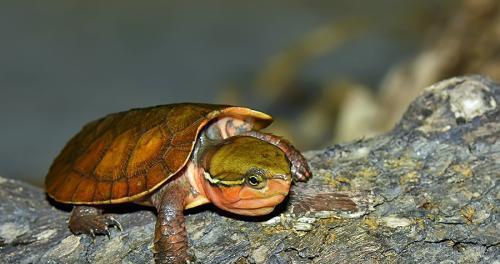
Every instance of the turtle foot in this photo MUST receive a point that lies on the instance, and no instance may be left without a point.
(300, 169)
(90, 221)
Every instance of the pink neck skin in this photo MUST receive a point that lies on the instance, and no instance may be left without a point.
(197, 195)
(227, 127)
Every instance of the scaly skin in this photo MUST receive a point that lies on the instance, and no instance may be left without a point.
(300, 169)
(170, 242)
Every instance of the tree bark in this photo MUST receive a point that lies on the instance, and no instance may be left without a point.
(426, 192)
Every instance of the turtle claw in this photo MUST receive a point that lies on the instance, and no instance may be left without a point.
(300, 169)
(300, 174)
(93, 225)
(89, 221)
(115, 223)
(107, 233)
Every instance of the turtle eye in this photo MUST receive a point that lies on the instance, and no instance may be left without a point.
(254, 180)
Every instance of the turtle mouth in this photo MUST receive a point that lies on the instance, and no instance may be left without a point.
(252, 212)
(255, 207)
(258, 203)
(260, 199)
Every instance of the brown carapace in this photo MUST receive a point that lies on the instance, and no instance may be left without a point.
(156, 156)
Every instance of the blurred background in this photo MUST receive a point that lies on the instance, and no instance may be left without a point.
(328, 71)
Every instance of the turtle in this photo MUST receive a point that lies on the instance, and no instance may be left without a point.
(173, 157)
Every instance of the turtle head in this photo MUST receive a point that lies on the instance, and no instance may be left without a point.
(246, 176)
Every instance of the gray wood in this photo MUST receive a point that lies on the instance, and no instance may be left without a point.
(426, 192)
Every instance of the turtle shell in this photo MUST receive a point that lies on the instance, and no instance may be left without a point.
(124, 156)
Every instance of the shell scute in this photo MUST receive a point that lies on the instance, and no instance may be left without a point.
(103, 191)
(146, 149)
(67, 187)
(175, 157)
(182, 117)
(85, 190)
(110, 167)
(184, 137)
(87, 161)
(155, 174)
(119, 189)
(137, 184)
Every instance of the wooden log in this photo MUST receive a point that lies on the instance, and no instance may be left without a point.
(427, 192)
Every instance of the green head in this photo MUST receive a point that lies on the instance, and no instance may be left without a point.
(246, 175)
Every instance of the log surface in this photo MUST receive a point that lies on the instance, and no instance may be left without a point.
(426, 192)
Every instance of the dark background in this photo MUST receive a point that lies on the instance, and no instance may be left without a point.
(64, 63)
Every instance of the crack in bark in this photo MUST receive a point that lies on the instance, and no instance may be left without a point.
(455, 242)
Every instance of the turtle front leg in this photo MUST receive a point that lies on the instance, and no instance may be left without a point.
(90, 220)
(300, 169)
(170, 242)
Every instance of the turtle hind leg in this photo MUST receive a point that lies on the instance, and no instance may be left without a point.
(90, 220)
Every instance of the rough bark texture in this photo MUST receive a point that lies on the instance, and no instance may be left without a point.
(426, 192)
